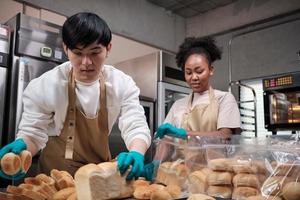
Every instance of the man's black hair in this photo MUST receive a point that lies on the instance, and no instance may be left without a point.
(83, 29)
(193, 45)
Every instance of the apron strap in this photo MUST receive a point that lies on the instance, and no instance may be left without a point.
(72, 113)
(103, 114)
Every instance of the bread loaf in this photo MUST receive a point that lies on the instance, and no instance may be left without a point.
(139, 183)
(9, 196)
(47, 180)
(40, 186)
(244, 166)
(101, 181)
(200, 197)
(26, 160)
(10, 164)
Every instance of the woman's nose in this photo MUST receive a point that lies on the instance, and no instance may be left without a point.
(86, 60)
(194, 76)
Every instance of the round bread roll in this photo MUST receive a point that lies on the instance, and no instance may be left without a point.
(160, 195)
(174, 190)
(142, 192)
(244, 166)
(219, 191)
(244, 192)
(291, 191)
(219, 178)
(139, 183)
(220, 164)
(197, 182)
(259, 197)
(261, 167)
(26, 160)
(10, 164)
(64, 193)
(246, 180)
(200, 197)
(154, 187)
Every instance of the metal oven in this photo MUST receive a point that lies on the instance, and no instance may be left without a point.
(282, 102)
(171, 85)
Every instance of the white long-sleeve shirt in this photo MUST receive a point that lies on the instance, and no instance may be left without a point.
(45, 102)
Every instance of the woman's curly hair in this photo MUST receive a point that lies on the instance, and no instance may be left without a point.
(194, 45)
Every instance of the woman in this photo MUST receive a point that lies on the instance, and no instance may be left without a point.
(206, 112)
(70, 110)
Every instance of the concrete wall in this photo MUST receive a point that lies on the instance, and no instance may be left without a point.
(260, 46)
(135, 19)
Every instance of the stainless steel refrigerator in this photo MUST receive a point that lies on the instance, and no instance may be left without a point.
(36, 47)
(4, 53)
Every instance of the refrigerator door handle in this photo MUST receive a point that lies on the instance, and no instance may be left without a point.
(21, 83)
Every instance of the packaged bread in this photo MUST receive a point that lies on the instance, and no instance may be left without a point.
(244, 166)
(219, 178)
(172, 173)
(220, 164)
(174, 190)
(259, 197)
(274, 184)
(291, 191)
(10, 164)
(89, 178)
(241, 193)
(246, 180)
(197, 181)
(219, 191)
(285, 169)
(200, 197)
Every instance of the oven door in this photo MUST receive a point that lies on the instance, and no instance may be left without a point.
(282, 109)
(167, 95)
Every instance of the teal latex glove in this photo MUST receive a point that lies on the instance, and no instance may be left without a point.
(16, 147)
(133, 158)
(150, 170)
(169, 129)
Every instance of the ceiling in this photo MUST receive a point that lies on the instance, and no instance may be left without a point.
(189, 8)
(124, 49)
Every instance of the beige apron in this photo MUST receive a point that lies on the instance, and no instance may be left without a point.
(82, 140)
(202, 117)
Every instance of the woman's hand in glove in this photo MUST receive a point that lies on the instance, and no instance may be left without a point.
(169, 129)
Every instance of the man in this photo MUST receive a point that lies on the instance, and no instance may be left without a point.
(70, 110)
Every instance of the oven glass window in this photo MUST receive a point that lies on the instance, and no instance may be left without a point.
(285, 108)
(170, 98)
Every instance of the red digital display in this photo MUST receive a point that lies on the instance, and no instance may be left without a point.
(276, 82)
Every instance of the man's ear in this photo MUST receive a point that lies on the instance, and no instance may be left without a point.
(65, 49)
(108, 48)
(211, 70)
